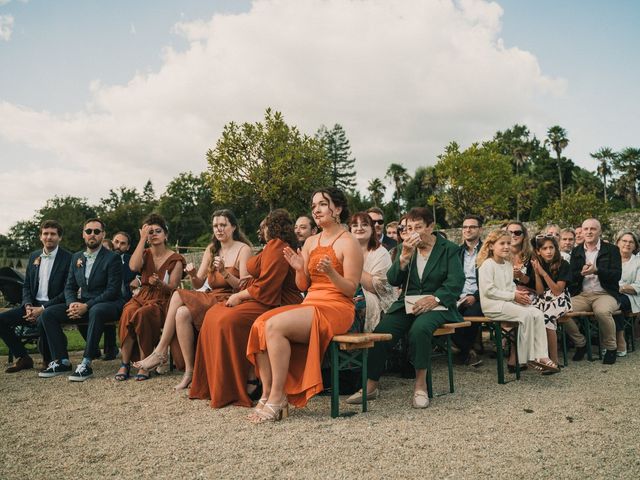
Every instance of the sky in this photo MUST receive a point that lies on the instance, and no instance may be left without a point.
(95, 95)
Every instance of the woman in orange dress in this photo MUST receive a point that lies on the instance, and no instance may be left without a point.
(222, 370)
(141, 319)
(223, 265)
(287, 344)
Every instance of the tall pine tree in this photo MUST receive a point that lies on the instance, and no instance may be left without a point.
(336, 144)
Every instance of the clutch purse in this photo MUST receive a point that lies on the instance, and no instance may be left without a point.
(410, 301)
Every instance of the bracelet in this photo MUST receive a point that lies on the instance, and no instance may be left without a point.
(226, 275)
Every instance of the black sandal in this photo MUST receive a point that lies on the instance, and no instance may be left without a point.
(122, 376)
(257, 392)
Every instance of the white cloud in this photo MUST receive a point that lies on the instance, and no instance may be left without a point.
(403, 78)
(132, 29)
(6, 27)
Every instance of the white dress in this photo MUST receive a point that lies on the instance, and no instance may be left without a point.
(376, 263)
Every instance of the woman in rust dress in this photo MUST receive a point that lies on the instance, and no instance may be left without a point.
(223, 265)
(287, 344)
(222, 370)
(142, 316)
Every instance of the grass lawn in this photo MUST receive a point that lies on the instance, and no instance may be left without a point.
(76, 342)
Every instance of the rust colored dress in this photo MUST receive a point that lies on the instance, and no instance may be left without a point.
(199, 302)
(221, 367)
(333, 315)
(143, 316)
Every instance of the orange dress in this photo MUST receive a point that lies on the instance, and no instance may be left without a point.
(333, 315)
(199, 302)
(221, 367)
(143, 316)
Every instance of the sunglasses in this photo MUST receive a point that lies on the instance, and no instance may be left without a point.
(378, 222)
(95, 231)
(516, 233)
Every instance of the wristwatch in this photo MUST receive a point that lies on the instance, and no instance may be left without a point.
(436, 299)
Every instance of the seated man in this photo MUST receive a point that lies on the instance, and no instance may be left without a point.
(92, 294)
(43, 287)
(469, 302)
(377, 215)
(567, 241)
(428, 270)
(596, 268)
(304, 228)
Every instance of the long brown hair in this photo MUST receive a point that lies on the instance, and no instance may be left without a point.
(238, 235)
(537, 243)
(525, 250)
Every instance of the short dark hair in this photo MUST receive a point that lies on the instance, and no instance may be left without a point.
(374, 241)
(156, 219)
(124, 234)
(477, 218)
(312, 222)
(97, 220)
(421, 213)
(377, 210)
(52, 224)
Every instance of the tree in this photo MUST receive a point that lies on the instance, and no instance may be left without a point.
(605, 155)
(399, 177)
(376, 191)
(627, 164)
(269, 165)
(338, 153)
(558, 141)
(573, 209)
(187, 207)
(478, 180)
(125, 208)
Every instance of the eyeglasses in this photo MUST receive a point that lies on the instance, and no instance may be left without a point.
(378, 222)
(515, 233)
(470, 227)
(95, 231)
(355, 226)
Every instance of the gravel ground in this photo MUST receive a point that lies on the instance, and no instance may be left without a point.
(581, 423)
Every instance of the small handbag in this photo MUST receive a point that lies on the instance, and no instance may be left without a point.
(410, 300)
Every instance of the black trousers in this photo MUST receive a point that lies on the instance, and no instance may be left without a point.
(9, 320)
(50, 326)
(109, 338)
(464, 337)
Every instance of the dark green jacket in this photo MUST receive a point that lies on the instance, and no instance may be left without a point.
(443, 277)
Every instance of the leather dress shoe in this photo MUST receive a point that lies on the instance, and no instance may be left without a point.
(23, 363)
(609, 357)
(580, 353)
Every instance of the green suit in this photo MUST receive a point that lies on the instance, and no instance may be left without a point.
(443, 277)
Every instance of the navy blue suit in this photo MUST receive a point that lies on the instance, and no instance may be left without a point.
(57, 279)
(102, 293)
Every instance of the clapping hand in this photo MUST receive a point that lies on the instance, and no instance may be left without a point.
(218, 264)
(154, 279)
(537, 267)
(588, 269)
(190, 269)
(294, 258)
(325, 265)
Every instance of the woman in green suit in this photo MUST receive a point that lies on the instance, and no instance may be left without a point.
(429, 271)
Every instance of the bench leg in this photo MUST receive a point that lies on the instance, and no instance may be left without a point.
(365, 355)
(587, 333)
(429, 377)
(563, 337)
(450, 363)
(497, 329)
(335, 380)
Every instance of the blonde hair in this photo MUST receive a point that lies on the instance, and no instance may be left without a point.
(486, 251)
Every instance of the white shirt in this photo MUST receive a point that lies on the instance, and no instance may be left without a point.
(591, 283)
(44, 272)
(90, 262)
(566, 256)
(421, 262)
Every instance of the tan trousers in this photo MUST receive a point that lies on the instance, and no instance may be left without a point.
(602, 305)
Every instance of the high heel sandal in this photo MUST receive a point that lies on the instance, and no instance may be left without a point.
(122, 376)
(185, 382)
(155, 356)
(272, 412)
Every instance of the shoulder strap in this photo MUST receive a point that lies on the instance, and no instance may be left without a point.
(335, 239)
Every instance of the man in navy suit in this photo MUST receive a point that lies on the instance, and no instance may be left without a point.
(377, 215)
(43, 287)
(92, 294)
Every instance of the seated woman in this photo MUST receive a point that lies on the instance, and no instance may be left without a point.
(374, 286)
(223, 265)
(551, 275)
(141, 319)
(429, 271)
(287, 344)
(502, 301)
(627, 242)
(221, 370)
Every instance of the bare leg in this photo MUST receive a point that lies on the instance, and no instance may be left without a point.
(290, 326)
(264, 367)
(621, 341)
(126, 348)
(421, 380)
(184, 330)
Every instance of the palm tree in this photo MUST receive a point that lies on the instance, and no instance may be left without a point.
(376, 189)
(399, 176)
(558, 141)
(627, 162)
(604, 155)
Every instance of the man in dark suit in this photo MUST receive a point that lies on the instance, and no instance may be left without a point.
(469, 302)
(377, 216)
(43, 287)
(596, 268)
(428, 267)
(92, 294)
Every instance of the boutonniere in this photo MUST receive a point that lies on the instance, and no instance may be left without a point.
(36, 262)
(79, 263)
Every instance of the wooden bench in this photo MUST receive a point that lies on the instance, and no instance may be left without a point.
(499, 329)
(346, 352)
(442, 338)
